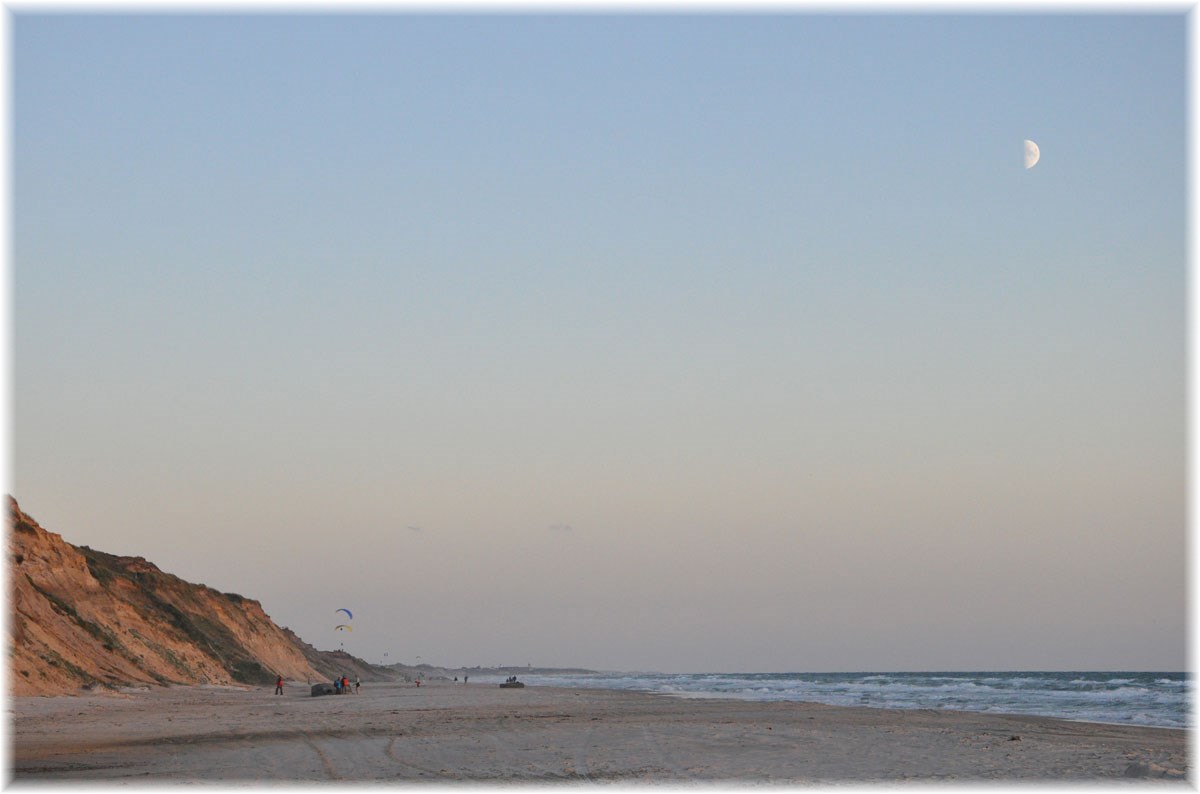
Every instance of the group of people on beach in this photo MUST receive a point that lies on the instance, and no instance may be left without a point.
(342, 685)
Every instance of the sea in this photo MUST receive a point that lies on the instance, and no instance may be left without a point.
(1154, 699)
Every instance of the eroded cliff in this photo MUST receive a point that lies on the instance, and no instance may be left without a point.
(84, 618)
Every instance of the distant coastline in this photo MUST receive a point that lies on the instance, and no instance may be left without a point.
(439, 671)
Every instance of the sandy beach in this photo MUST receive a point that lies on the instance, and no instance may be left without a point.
(453, 732)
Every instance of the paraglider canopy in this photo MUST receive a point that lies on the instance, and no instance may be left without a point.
(343, 609)
(343, 627)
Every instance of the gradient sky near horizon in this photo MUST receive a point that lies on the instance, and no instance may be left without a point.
(692, 342)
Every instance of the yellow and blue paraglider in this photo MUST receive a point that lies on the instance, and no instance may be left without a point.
(344, 626)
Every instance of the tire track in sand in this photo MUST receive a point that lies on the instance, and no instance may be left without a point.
(325, 762)
(539, 757)
(423, 771)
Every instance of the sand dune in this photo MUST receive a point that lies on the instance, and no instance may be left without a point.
(446, 731)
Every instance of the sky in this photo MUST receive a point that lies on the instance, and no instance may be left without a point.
(685, 342)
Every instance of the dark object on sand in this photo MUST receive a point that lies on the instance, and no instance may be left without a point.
(512, 683)
(322, 689)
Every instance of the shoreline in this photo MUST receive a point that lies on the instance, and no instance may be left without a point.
(481, 733)
(680, 696)
(1148, 699)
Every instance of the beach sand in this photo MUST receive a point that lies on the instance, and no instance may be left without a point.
(445, 731)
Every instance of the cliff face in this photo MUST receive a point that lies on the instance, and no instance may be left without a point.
(82, 618)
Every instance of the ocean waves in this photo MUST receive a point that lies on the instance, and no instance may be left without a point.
(1153, 699)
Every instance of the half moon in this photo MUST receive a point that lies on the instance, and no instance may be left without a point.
(1032, 154)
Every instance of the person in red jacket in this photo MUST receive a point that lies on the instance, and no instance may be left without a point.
(345, 685)
(279, 685)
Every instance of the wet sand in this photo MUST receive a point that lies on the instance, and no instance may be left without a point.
(444, 731)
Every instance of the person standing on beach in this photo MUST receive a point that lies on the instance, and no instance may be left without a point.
(357, 684)
(279, 685)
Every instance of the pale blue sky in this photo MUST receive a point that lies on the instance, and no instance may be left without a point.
(685, 342)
